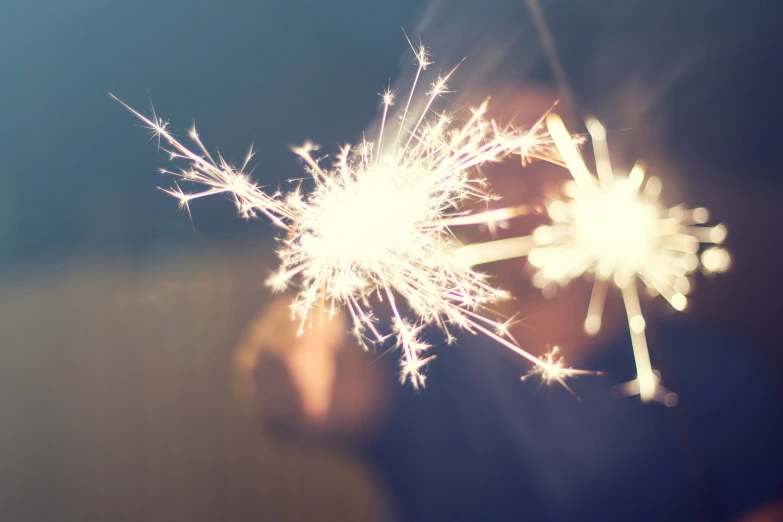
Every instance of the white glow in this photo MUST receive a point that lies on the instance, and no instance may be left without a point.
(615, 228)
(716, 259)
(393, 209)
(373, 223)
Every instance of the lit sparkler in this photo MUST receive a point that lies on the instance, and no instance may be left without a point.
(376, 223)
(614, 228)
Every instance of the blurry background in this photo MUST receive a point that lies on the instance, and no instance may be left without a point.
(118, 316)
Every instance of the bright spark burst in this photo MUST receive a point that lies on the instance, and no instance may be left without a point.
(376, 223)
(615, 228)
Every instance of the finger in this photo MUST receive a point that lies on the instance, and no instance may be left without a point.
(272, 330)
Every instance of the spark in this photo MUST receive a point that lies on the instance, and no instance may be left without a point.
(552, 369)
(374, 225)
(615, 228)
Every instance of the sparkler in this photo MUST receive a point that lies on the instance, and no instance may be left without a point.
(615, 228)
(376, 223)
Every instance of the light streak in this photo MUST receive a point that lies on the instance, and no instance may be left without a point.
(374, 225)
(615, 228)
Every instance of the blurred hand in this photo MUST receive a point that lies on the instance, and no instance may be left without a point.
(310, 383)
